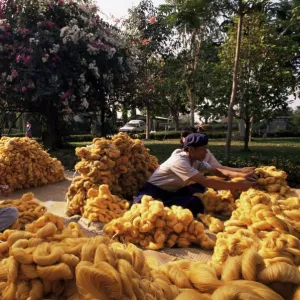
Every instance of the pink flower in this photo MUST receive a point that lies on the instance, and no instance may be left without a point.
(51, 25)
(18, 58)
(152, 20)
(27, 60)
(66, 95)
(16, 89)
(25, 30)
(253, 156)
(24, 88)
(14, 73)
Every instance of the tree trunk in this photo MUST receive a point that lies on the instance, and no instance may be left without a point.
(124, 114)
(133, 113)
(251, 129)
(102, 101)
(191, 97)
(234, 86)
(176, 121)
(102, 120)
(242, 129)
(247, 134)
(147, 123)
(14, 122)
(52, 139)
(175, 116)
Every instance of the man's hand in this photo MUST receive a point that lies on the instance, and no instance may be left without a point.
(246, 185)
(248, 169)
(251, 176)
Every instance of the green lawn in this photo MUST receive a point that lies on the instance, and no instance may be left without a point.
(288, 148)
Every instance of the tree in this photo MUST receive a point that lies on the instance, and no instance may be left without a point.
(60, 59)
(195, 22)
(239, 8)
(265, 74)
(171, 88)
(150, 35)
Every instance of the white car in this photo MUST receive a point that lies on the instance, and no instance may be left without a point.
(134, 126)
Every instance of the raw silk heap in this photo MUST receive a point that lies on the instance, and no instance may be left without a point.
(24, 164)
(267, 219)
(50, 260)
(123, 163)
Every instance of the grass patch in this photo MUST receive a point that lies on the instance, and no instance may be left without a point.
(270, 149)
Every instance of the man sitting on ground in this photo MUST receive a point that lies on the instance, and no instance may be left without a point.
(171, 181)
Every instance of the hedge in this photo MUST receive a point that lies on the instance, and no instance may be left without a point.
(175, 135)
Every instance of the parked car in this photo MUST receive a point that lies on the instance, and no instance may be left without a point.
(134, 126)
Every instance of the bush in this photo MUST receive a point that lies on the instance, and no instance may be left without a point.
(80, 138)
(163, 135)
(278, 134)
(15, 135)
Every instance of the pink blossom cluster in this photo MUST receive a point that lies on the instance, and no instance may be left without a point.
(46, 25)
(66, 95)
(26, 59)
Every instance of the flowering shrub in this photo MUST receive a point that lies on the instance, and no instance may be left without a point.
(60, 57)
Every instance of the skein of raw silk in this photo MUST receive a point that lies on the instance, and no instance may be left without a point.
(252, 262)
(3, 248)
(261, 289)
(176, 276)
(125, 270)
(29, 271)
(70, 259)
(21, 256)
(37, 290)
(3, 270)
(230, 292)
(47, 255)
(60, 271)
(12, 270)
(217, 268)
(23, 290)
(281, 272)
(18, 235)
(103, 253)
(9, 291)
(47, 231)
(88, 252)
(192, 295)
(204, 278)
(232, 268)
(103, 282)
(169, 291)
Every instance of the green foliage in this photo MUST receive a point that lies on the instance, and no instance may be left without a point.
(61, 59)
(265, 75)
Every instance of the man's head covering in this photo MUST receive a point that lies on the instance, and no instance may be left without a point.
(195, 140)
